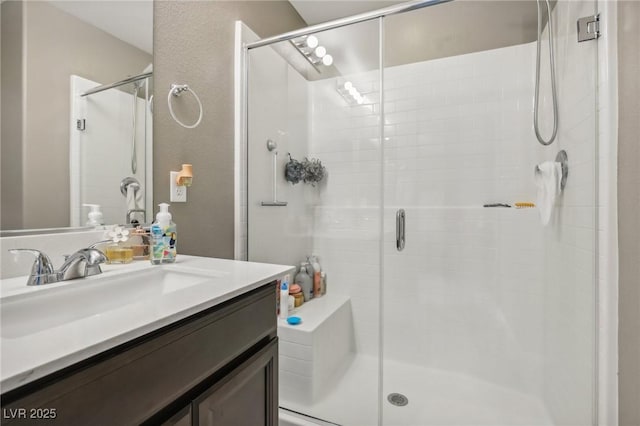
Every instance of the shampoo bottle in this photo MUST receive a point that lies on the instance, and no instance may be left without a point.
(164, 237)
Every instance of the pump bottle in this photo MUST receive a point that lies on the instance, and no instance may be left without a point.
(164, 237)
(94, 218)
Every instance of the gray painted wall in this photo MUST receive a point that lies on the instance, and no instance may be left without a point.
(11, 145)
(194, 44)
(629, 211)
(56, 45)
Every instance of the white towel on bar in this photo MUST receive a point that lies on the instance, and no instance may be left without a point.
(548, 177)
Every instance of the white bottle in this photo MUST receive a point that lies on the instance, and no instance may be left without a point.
(284, 297)
(94, 218)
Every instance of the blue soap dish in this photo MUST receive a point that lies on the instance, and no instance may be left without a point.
(294, 320)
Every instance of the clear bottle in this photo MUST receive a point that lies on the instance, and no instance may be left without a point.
(164, 237)
(304, 281)
(317, 281)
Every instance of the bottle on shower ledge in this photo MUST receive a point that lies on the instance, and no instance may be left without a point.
(304, 281)
(315, 276)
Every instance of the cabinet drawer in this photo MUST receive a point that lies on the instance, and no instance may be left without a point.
(128, 385)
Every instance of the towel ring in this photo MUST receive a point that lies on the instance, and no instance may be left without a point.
(176, 90)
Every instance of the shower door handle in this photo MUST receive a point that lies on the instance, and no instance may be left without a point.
(400, 229)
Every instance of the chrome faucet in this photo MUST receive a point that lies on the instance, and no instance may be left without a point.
(42, 271)
(83, 263)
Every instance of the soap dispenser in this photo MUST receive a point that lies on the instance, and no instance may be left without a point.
(164, 237)
(94, 218)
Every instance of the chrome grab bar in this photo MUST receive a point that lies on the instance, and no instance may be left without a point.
(400, 229)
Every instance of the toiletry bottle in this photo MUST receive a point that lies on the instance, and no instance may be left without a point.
(94, 218)
(278, 284)
(309, 265)
(317, 282)
(304, 281)
(164, 237)
(323, 285)
(284, 297)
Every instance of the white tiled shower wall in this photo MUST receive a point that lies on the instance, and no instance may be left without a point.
(465, 294)
(484, 292)
(277, 111)
(570, 258)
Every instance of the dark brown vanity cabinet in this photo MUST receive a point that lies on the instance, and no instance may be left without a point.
(243, 397)
(218, 367)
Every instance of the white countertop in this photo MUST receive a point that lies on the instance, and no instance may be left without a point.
(27, 356)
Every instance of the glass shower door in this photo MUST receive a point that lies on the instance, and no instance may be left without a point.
(488, 315)
(301, 108)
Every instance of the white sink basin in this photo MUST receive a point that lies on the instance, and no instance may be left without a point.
(47, 328)
(80, 299)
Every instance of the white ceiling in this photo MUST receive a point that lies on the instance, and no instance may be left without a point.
(315, 11)
(130, 21)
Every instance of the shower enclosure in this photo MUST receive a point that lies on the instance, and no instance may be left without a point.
(439, 310)
(111, 142)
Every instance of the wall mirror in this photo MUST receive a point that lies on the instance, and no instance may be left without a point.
(66, 142)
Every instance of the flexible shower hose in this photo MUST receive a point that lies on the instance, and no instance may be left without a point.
(553, 78)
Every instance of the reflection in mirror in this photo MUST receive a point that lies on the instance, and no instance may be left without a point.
(61, 149)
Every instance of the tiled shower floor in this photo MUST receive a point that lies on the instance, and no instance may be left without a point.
(436, 398)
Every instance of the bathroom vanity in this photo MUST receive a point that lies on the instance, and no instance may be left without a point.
(189, 343)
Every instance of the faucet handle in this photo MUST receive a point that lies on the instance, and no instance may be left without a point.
(94, 258)
(42, 271)
(42, 264)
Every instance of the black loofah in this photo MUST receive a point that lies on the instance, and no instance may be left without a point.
(294, 171)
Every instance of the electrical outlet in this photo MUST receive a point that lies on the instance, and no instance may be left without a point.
(177, 194)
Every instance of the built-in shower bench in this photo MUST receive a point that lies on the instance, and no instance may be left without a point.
(313, 352)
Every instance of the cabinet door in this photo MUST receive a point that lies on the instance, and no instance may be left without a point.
(246, 396)
(182, 418)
